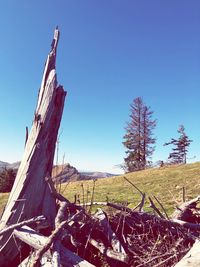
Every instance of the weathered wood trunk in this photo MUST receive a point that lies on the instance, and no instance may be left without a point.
(31, 195)
(38, 241)
(192, 258)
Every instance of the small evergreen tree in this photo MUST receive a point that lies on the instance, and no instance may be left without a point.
(139, 136)
(179, 152)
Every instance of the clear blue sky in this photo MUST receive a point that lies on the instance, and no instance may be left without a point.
(110, 52)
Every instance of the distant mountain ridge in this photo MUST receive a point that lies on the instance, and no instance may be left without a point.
(98, 174)
(64, 173)
(67, 173)
(7, 165)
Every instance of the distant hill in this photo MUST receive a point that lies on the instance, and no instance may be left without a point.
(7, 165)
(68, 173)
(64, 173)
(98, 174)
(3, 164)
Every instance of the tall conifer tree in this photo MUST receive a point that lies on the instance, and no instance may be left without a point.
(139, 138)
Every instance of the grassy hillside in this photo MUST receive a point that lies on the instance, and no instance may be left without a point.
(165, 183)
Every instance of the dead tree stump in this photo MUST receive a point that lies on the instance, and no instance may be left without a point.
(31, 195)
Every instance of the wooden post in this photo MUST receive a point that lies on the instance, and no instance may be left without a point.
(31, 195)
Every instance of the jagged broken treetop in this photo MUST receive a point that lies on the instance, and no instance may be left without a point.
(31, 195)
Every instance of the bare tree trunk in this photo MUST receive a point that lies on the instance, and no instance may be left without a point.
(31, 195)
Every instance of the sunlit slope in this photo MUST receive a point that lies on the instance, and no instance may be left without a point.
(165, 183)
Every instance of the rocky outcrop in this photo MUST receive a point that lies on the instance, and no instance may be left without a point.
(65, 173)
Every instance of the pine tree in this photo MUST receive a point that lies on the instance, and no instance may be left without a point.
(179, 152)
(139, 136)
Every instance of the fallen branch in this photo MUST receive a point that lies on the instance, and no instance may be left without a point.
(141, 204)
(50, 240)
(38, 241)
(20, 224)
(161, 205)
(153, 206)
(99, 203)
(145, 216)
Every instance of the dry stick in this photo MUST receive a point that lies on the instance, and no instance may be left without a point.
(123, 227)
(192, 226)
(18, 248)
(20, 224)
(94, 203)
(92, 198)
(119, 207)
(103, 203)
(83, 195)
(87, 197)
(58, 186)
(173, 222)
(155, 245)
(53, 190)
(133, 185)
(62, 192)
(51, 239)
(61, 197)
(26, 135)
(156, 258)
(141, 204)
(160, 264)
(59, 190)
(119, 221)
(161, 207)
(153, 206)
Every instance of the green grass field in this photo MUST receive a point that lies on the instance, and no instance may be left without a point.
(165, 183)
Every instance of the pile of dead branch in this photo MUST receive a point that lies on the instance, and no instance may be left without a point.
(119, 237)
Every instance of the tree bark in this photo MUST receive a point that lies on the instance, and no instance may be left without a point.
(192, 258)
(31, 195)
